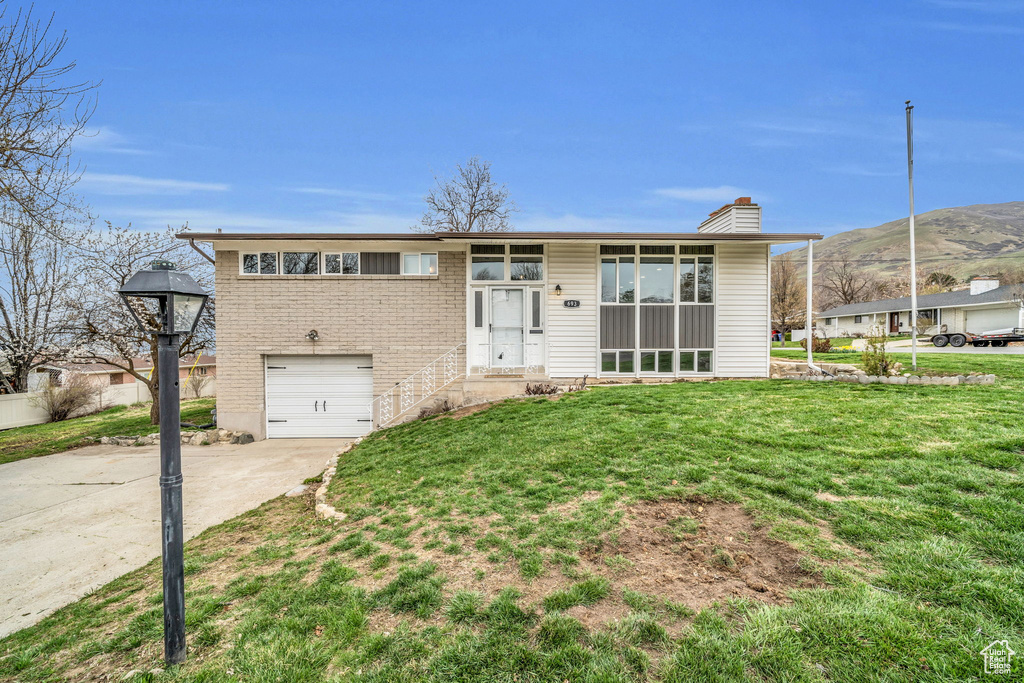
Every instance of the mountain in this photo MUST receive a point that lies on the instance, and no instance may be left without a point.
(982, 239)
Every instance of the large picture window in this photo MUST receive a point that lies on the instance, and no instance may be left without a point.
(657, 309)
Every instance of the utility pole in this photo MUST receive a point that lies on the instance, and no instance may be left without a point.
(913, 251)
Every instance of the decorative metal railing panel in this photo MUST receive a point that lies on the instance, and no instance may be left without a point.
(419, 387)
(515, 359)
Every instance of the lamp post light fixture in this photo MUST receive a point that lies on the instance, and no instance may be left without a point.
(168, 303)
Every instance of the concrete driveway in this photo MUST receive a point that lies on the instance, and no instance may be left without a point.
(71, 522)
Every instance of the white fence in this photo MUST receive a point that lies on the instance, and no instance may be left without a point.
(19, 410)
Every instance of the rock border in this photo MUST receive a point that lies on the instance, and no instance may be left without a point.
(897, 379)
(321, 508)
(188, 438)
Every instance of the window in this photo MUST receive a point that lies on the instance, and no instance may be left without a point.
(341, 264)
(696, 280)
(488, 268)
(617, 361)
(517, 262)
(332, 264)
(618, 279)
(117, 378)
(350, 264)
(858, 319)
(527, 268)
(200, 371)
(695, 361)
(535, 309)
(830, 321)
(703, 361)
(264, 263)
(705, 280)
(655, 279)
(419, 264)
(655, 361)
(301, 262)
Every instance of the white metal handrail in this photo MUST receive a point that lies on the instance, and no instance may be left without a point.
(432, 378)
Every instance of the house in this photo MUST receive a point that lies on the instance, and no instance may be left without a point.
(984, 306)
(106, 374)
(330, 334)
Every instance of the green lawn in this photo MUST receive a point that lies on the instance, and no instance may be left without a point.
(509, 545)
(54, 437)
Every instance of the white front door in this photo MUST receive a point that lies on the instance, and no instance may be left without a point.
(507, 311)
(319, 396)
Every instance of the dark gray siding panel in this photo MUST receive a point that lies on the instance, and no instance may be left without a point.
(380, 263)
(696, 327)
(656, 327)
(618, 327)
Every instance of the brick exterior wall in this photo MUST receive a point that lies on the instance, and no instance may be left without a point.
(403, 321)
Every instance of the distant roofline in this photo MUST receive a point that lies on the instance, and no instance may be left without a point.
(503, 236)
(954, 299)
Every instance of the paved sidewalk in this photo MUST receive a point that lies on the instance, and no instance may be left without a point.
(73, 521)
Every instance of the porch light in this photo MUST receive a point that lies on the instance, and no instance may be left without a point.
(168, 303)
(558, 290)
(163, 300)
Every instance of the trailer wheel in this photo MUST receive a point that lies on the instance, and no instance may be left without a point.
(979, 344)
(957, 340)
(998, 342)
(940, 340)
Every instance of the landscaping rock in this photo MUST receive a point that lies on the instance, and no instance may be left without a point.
(242, 438)
(988, 379)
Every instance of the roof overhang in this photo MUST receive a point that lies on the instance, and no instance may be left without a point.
(506, 237)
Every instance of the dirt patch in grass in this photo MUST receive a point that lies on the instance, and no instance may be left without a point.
(693, 554)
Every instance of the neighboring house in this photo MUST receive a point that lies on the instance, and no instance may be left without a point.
(111, 375)
(326, 334)
(984, 306)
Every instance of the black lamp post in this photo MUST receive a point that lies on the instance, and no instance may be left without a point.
(168, 303)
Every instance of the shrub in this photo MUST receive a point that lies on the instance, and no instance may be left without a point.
(876, 360)
(820, 345)
(439, 406)
(540, 389)
(75, 393)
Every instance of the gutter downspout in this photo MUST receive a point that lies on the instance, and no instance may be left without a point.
(192, 243)
(809, 337)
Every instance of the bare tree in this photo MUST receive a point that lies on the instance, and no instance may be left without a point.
(105, 330)
(37, 281)
(845, 284)
(469, 201)
(788, 296)
(41, 113)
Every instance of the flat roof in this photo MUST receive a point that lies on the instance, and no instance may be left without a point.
(536, 236)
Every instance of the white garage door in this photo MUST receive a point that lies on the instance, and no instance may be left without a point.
(986, 319)
(319, 396)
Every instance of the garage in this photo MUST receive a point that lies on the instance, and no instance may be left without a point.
(985, 319)
(318, 396)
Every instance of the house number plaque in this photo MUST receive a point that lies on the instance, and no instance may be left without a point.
(571, 303)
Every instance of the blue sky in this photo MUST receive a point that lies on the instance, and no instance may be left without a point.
(604, 116)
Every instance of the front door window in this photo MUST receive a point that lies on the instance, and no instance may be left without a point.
(507, 309)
